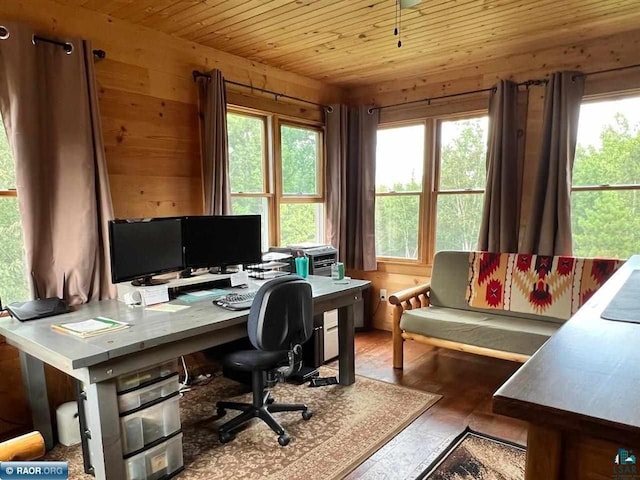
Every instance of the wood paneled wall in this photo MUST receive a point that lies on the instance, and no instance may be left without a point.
(599, 54)
(148, 104)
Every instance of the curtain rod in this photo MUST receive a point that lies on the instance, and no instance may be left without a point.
(66, 46)
(609, 70)
(196, 74)
(526, 83)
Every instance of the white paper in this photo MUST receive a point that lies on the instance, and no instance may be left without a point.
(240, 278)
(201, 293)
(272, 256)
(167, 307)
(153, 295)
(86, 326)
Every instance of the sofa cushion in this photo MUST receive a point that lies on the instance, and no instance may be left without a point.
(483, 329)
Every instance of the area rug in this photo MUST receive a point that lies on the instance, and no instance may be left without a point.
(348, 425)
(474, 456)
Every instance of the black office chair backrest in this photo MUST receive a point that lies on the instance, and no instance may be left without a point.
(281, 315)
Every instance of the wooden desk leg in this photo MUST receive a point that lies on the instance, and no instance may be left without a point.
(103, 424)
(35, 386)
(346, 345)
(544, 453)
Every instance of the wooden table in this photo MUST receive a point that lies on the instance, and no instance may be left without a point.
(580, 394)
(153, 337)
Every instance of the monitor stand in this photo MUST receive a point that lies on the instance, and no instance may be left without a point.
(148, 282)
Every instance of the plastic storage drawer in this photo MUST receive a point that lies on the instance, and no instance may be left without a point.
(158, 462)
(142, 377)
(144, 426)
(144, 395)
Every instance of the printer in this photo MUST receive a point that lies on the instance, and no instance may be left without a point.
(321, 257)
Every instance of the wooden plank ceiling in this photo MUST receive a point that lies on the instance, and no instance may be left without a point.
(351, 43)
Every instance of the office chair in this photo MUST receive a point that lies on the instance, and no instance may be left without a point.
(280, 321)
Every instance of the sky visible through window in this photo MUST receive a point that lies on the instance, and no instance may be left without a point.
(595, 116)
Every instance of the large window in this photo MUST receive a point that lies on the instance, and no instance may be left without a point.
(460, 183)
(400, 155)
(13, 278)
(276, 171)
(605, 200)
(411, 226)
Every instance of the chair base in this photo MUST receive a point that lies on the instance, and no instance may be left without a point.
(263, 410)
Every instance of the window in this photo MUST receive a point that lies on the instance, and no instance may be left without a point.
(13, 278)
(605, 199)
(301, 207)
(460, 184)
(399, 186)
(411, 226)
(248, 168)
(279, 178)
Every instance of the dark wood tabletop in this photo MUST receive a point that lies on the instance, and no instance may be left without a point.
(586, 378)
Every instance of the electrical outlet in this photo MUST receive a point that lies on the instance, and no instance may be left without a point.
(383, 294)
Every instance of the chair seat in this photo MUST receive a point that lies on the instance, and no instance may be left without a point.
(250, 360)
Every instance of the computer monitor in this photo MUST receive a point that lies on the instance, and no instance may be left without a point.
(142, 248)
(218, 241)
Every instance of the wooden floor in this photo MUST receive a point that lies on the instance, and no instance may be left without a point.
(466, 383)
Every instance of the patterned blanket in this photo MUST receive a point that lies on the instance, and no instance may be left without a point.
(541, 285)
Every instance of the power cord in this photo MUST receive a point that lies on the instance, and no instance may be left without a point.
(184, 385)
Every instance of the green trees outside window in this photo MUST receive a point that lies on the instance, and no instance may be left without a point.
(13, 276)
(605, 202)
(291, 204)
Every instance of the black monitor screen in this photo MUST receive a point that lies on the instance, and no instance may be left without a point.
(142, 248)
(217, 241)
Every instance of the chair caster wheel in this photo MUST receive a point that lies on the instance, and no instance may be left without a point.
(270, 400)
(307, 414)
(283, 440)
(221, 412)
(226, 437)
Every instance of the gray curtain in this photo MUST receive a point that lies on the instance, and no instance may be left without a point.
(500, 213)
(549, 224)
(350, 180)
(49, 106)
(336, 179)
(213, 144)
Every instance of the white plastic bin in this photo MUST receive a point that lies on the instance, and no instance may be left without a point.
(157, 462)
(140, 377)
(145, 426)
(141, 396)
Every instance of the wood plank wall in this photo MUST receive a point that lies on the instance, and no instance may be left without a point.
(602, 53)
(148, 103)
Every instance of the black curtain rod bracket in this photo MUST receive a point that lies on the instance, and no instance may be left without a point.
(66, 46)
(196, 74)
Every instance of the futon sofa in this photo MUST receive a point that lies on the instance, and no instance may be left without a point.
(501, 305)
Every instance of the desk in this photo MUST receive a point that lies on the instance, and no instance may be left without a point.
(153, 337)
(580, 393)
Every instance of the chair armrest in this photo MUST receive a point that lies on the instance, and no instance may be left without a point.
(414, 297)
(419, 293)
(24, 448)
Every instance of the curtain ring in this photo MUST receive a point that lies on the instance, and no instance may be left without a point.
(328, 108)
(68, 48)
(4, 32)
(370, 110)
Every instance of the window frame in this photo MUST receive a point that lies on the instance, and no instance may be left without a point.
(430, 190)
(422, 197)
(604, 187)
(272, 167)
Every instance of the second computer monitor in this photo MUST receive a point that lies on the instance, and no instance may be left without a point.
(218, 241)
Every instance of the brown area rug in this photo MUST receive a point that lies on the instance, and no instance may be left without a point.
(474, 456)
(348, 425)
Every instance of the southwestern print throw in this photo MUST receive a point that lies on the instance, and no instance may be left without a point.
(552, 286)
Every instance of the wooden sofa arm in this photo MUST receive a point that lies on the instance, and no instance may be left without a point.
(407, 299)
(24, 448)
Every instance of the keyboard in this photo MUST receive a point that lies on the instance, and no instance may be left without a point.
(236, 301)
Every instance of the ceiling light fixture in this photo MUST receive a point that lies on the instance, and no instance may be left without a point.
(401, 5)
